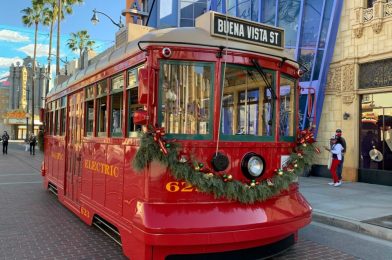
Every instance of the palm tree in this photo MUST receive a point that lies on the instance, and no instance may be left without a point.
(61, 4)
(50, 17)
(33, 16)
(80, 41)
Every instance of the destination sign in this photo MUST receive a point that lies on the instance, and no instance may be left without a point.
(247, 31)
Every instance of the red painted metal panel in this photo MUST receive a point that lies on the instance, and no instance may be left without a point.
(114, 178)
(134, 183)
(87, 173)
(98, 156)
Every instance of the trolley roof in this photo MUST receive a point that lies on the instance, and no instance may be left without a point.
(170, 37)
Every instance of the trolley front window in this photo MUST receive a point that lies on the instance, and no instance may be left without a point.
(186, 99)
(247, 106)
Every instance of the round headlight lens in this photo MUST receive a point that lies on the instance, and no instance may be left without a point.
(255, 166)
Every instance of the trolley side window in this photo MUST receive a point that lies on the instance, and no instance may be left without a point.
(132, 93)
(247, 106)
(89, 108)
(101, 107)
(63, 116)
(51, 119)
(186, 99)
(57, 117)
(116, 99)
(287, 107)
(47, 123)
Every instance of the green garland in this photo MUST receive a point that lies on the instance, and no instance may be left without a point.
(218, 185)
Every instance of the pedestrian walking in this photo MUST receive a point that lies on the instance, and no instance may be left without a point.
(4, 138)
(33, 142)
(339, 170)
(336, 150)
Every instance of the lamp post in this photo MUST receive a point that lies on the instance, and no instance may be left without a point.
(95, 19)
(48, 78)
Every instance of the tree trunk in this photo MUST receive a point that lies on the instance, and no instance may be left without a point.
(33, 78)
(49, 56)
(58, 38)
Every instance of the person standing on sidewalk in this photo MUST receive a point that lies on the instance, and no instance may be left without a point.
(339, 170)
(337, 151)
(33, 142)
(5, 137)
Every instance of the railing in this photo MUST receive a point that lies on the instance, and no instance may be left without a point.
(368, 14)
(388, 9)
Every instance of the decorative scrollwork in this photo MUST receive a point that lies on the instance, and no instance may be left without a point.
(377, 25)
(334, 81)
(348, 77)
(388, 9)
(358, 31)
(368, 14)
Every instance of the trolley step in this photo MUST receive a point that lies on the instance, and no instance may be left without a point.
(52, 188)
(107, 228)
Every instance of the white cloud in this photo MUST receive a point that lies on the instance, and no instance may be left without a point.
(42, 50)
(6, 62)
(12, 36)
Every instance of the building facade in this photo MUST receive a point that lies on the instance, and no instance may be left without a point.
(359, 91)
(19, 113)
(4, 101)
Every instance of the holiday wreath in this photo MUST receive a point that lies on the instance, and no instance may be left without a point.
(222, 185)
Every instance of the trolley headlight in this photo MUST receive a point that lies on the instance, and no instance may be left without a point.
(252, 165)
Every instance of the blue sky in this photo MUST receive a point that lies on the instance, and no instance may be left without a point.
(17, 41)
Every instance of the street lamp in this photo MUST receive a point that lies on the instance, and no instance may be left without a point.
(95, 19)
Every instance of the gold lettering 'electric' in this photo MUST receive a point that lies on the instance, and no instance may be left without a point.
(103, 168)
(57, 156)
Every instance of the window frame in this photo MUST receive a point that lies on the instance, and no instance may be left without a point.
(295, 108)
(249, 138)
(211, 101)
(98, 97)
(63, 115)
(129, 106)
(86, 100)
(113, 92)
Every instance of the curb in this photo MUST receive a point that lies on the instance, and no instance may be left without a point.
(352, 225)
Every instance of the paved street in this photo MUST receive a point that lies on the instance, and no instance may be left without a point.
(33, 225)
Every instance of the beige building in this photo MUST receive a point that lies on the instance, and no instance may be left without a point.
(4, 101)
(358, 96)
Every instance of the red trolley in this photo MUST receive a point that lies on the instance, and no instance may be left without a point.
(209, 117)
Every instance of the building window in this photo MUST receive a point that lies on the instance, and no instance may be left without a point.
(370, 3)
(190, 10)
(185, 98)
(376, 132)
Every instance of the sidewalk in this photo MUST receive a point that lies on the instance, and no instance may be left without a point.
(359, 207)
(18, 160)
